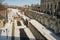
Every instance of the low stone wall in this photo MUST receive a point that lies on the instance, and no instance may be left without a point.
(36, 33)
(48, 21)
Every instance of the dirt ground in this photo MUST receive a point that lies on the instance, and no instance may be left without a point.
(3, 13)
(2, 16)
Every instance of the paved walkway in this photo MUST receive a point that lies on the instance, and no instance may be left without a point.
(6, 35)
(18, 31)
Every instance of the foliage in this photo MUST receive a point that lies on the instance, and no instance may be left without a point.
(1, 5)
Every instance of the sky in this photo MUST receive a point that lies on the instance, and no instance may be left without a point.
(21, 2)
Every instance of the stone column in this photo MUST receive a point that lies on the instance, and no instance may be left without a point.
(28, 22)
(56, 30)
(48, 26)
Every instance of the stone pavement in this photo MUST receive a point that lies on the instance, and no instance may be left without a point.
(26, 30)
(6, 32)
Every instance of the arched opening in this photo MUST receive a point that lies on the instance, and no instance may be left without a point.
(59, 6)
(58, 10)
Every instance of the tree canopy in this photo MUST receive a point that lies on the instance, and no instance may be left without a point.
(1, 5)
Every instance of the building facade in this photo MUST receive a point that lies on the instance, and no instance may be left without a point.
(50, 5)
(52, 8)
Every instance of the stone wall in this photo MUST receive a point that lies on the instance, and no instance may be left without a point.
(50, 5)
(36, 33)
(48, 21)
